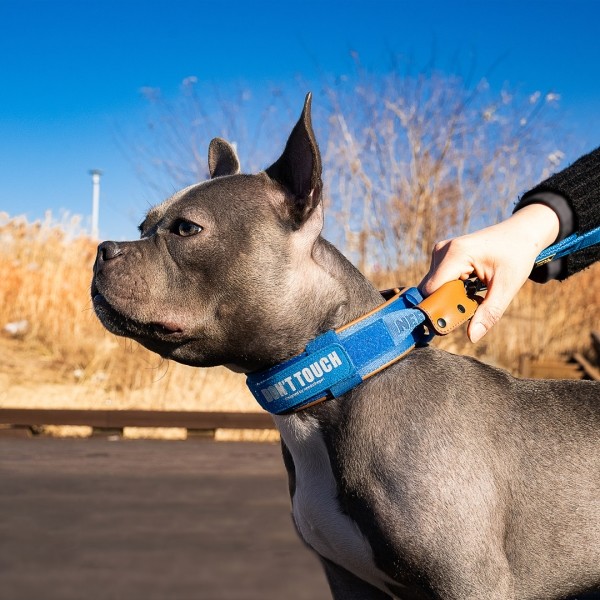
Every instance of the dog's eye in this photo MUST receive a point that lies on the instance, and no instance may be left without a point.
(187, 228)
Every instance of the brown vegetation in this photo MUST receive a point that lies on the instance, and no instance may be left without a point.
(408, 160)
(63, 357)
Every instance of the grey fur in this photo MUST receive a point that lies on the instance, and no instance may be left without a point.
(440, 478)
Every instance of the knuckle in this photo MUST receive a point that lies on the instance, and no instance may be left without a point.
(459, 244)
(440, 246)
(455, 247)
(490, 315)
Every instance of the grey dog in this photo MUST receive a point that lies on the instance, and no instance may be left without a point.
(438, 478)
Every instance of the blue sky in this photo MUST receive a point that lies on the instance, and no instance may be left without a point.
(71, 73)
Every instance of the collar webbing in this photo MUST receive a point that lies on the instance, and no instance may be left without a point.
(336, 361)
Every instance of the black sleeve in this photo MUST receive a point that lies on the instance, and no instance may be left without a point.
(579, 185)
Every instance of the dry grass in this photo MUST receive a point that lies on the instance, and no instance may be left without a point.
(66, 359)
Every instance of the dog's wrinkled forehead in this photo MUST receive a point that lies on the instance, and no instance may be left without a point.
(232, 198)
(157, 212)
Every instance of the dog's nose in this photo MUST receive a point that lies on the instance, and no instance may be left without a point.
(108, 251)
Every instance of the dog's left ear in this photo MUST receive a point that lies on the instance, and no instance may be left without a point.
(298, 169)
(222, 159)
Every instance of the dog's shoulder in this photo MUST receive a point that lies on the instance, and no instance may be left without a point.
(445, 373)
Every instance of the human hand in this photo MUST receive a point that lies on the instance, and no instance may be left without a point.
(501, 256)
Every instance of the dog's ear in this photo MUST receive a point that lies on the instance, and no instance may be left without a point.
(298, 169)
(222, 159)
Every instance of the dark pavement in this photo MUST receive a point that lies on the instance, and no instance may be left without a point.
(142, 520)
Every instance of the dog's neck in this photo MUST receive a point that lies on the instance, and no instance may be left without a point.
(339, 296)
(353, 295)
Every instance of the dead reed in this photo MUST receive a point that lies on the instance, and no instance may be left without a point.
(44, 281)
(408, 160)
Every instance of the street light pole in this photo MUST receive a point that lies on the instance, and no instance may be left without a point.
(95, 173)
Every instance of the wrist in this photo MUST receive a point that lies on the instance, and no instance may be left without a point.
(539, 223)
(558, 204)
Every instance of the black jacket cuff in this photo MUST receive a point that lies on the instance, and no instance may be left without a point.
(556, 269)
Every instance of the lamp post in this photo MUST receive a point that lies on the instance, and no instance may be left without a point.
(95, 173)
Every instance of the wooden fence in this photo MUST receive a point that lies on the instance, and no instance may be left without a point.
(23, 421)
(576, 366)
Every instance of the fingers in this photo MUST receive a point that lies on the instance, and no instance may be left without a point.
(501, 256)
(483, 255)
(485, 317)
(503, 286)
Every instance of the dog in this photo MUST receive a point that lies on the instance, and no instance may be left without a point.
(439, 478)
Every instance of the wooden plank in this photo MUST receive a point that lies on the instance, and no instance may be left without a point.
(117, 419)
(556, 363)
(541, 371)
(591, 371)
(525, 366)
(14, 432)
(549, 369)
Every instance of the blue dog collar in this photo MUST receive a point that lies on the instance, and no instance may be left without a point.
(336, 361)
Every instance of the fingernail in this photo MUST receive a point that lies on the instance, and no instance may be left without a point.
(477, 332)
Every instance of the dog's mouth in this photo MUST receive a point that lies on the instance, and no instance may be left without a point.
(119, 324)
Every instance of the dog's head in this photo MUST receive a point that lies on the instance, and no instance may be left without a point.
(225, 271)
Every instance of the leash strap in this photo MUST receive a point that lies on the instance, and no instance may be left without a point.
(337, 361)
(572, 243)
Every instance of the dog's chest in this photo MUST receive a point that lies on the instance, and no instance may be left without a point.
(315, 507)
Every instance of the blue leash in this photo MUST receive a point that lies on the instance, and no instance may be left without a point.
(573, 243)
(337, 361)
